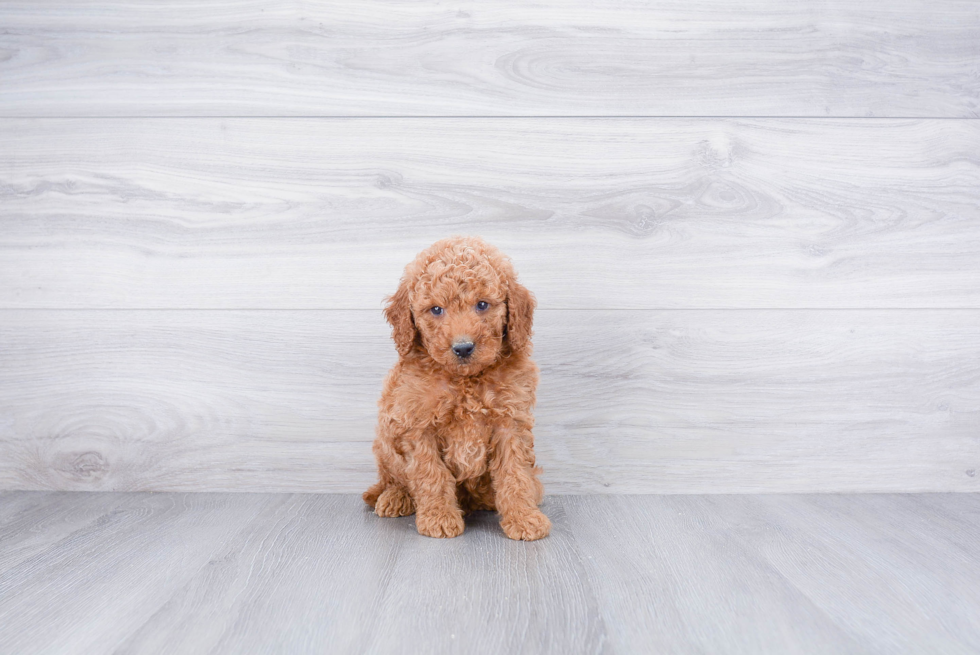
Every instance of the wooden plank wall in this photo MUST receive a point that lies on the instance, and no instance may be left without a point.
(754, 234)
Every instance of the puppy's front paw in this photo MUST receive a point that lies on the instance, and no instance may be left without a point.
(526, 526)
(394, 501)
(445, 522)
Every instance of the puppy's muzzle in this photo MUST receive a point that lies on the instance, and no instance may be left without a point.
(463, 349)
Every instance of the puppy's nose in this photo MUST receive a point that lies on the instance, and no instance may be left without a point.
(464, 349)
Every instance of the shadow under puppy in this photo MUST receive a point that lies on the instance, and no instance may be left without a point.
(456, 413)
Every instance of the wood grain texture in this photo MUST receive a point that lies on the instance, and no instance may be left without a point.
(31, 522)
(630, 401)
(499, 57)
(258, 573)
(136, 545)
(604, 213)
(898, 529)
(654, 562)
(855, 574)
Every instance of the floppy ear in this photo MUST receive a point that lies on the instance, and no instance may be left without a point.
(399, 314)
(520, 315)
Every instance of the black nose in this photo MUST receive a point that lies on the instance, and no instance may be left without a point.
(463, 349)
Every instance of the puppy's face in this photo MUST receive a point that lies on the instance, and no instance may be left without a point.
(461, 320)
(460, 301)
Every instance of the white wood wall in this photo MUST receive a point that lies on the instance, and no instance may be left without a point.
(753, 230)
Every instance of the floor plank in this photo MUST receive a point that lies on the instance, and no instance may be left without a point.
(539, 605)
(629, 401)
(655, 564)
(496, 57)
(31, 522)
(611, 214)
(318, 570)
(244, 573)
(96, 585)
(823, 544)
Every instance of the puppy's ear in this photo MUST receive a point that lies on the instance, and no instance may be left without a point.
(399, 315)
(520, 316)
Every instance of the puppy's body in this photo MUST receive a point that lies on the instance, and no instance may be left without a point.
(455, 432)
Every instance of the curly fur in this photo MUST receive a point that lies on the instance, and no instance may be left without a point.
(454, 435)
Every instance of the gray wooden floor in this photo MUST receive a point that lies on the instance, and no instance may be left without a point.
(98, 573)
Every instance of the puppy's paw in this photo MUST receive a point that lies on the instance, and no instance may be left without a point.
(371, 495)
(394, 501)
(440, 523)
(526, 526)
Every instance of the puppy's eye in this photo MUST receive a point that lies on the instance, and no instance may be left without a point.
(436, 311)
(482, 305)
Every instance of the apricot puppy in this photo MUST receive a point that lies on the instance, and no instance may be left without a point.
(455, 416)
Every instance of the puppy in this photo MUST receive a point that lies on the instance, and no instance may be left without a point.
(456, 413)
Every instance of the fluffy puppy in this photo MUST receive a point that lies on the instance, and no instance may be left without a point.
(455, 416)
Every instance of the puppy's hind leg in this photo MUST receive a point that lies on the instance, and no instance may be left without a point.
(387, 497)
(385, 480)
(377, 490)
(373, 493)
(394, 501)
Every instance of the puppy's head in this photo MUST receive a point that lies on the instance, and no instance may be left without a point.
(460, 302)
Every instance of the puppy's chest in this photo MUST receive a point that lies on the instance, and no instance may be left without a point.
(464, 431)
